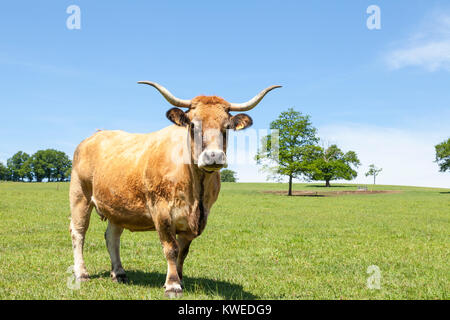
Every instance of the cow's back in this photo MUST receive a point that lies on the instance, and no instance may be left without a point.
(108, 152)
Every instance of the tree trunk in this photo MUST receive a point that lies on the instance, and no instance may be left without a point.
(290, 186)
(374, 176)
(327, 183)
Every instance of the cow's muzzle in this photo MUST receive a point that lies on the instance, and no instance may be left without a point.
(212, 160)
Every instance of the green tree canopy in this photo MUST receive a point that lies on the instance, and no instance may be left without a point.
(26, 171)
(15, 164)
(227, 175)
(443, 155)
(50, 164)
(297, 139)
(373, 171)
(5, 174)
(332, 164)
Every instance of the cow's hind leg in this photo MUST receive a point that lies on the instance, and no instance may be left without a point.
(81, 207)
(112, 237)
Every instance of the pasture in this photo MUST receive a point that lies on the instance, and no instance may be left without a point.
(256, 245)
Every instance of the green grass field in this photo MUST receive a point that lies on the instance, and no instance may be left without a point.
(255, 246)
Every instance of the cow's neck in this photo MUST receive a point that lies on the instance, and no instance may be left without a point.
(202, 183)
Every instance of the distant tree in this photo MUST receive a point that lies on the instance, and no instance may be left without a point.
(62, 166)
(50, 164)
(373, 171)
(5, 174)
(39, 165)
(68, 172)
(297, 139)
(333, 164)
(227, 175)
(26, 170)
(15, 164)
(443, 155)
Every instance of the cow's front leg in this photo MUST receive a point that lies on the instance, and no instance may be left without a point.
(183, 245)
(168, 239)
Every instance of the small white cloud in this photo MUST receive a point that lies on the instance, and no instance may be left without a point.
(429, 48)
(431, 56)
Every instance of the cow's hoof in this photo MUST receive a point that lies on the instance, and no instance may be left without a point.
(181, 285)
(173, 291)
(120, 278)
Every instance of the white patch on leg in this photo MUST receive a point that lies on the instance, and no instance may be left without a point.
(77, 244)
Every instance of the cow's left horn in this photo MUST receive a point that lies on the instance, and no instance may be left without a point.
(253, 102)
(169, 97)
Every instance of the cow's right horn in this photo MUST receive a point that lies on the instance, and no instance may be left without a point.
(249, 105)
(169, 97)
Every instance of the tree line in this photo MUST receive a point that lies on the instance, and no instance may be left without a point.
(49, 165)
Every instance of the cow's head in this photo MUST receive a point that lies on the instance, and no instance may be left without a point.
(207, 120)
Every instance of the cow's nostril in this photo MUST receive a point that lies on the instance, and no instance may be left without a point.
(214, 158)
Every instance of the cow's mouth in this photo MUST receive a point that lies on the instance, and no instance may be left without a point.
(212, 168)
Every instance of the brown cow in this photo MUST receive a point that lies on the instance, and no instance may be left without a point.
(149, 181)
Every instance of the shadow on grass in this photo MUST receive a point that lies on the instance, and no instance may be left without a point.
(323, 186)
(300, 195)
(191, 285)
(446, 192)
(307, 195)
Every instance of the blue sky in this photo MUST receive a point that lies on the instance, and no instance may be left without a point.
(383, 93)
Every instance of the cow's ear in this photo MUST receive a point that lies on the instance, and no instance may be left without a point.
(178, 117)
(240, 121)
